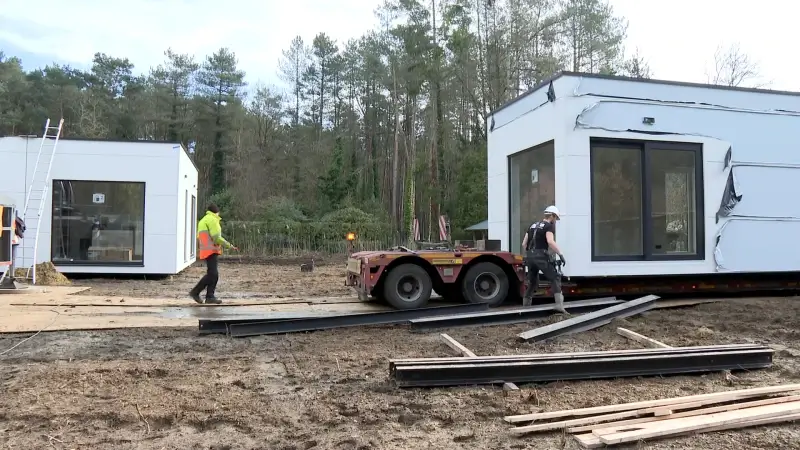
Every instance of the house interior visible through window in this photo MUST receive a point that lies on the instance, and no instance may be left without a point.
(98, 222)
(631, 220)
(532, 188)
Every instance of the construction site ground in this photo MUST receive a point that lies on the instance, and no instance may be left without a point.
(167, 387)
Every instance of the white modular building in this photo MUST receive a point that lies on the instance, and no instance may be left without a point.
(112, 207)
(651, 177)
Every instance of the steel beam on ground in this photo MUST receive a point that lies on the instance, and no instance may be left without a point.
(591, 320)
(573, 356)
(579, 369)
(508, 316)
(220, 325)
(256, 327)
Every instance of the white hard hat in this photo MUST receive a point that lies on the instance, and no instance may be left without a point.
(552, 210)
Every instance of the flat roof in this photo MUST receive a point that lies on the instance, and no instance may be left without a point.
(71, 138)
(114, 141)
(598, 76)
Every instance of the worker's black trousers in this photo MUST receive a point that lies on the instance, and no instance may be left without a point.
(210, 279)
(535, 261)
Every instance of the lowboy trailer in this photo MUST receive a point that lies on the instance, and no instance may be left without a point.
(406, 279)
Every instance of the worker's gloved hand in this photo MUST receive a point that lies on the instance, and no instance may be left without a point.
(563, 260)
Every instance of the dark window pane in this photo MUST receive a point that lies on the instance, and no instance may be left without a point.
(97, 222)
(673, 206)
(533, 188)
(617, 201)
(6, 238)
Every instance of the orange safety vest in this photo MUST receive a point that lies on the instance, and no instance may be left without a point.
(208, 227)
(207, 245)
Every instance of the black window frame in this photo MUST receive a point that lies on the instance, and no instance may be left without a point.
(57, 262)
(193, 218)
(509, 186)
(186, 226)
(646, 148)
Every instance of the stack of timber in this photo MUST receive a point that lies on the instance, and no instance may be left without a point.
(603, 426)
(577, 366)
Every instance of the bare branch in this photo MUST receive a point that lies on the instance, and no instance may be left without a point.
(733, 67)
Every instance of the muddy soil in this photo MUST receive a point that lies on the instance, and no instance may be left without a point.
(237, 280)
(169, 388)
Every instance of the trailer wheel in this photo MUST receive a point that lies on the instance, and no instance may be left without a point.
(485, 283)
(407, 286)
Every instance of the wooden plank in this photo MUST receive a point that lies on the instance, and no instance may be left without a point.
(671, 427)
(595, 422)
(26, 319)
(455, 345)
(560, 425)
(640, 338)
(588, 440)
(613, 427)
(719, 396)
(464, 351)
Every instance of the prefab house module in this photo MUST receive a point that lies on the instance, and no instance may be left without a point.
(651, 177)
(113, 207)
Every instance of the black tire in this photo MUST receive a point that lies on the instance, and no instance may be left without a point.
(485, 283)
(407, 286)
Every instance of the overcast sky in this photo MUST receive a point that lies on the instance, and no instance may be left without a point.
(677, 37)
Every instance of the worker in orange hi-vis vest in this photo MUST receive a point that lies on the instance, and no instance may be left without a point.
(209, 235)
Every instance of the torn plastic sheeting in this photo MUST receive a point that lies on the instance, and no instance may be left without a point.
(689, 101)
(588, 119)
(756, 138)
(728, 157)
(752, 245)
(761, 192)
(730, 198)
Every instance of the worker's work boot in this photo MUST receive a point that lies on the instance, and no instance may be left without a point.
(196, 297)
(560, 303)
(213, 300)
(527, 301)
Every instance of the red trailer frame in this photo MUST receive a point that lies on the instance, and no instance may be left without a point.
(406, 279)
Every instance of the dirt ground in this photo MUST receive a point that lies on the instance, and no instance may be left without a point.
(169, 388)
(238, 280)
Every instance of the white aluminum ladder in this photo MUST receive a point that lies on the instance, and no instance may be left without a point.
(35, 200)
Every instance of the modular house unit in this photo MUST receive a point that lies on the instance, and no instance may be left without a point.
(651, 177)
(114, 207)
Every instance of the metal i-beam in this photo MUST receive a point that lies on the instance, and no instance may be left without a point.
(572, 356)
(580, 369)
(220, 326)
(509, 316)
(591, 320)
(256, 327)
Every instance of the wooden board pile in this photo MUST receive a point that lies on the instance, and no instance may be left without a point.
(602, 426)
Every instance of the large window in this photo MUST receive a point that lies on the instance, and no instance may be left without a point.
(532, 187)
(647, 201)
(96, 222)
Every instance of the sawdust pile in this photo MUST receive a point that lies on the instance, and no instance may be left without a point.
(46, 275)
